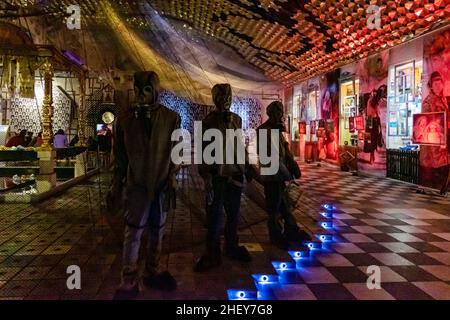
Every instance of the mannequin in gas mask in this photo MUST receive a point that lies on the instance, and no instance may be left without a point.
(144, 171)
(224, 182)
(282, 225)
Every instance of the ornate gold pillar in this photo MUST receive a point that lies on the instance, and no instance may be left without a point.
(46, 179)
(47, 106)
(82, 111)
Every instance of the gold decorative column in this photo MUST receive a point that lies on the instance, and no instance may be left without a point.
(82, 159)
(82, 111)
(47, 106)
(46, 179)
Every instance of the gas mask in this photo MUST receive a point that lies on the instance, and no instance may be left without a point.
(221, 94)
(147, 90)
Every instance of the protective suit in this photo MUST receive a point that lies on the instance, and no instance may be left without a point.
(144, 171)
(281, 223)
(224, 184)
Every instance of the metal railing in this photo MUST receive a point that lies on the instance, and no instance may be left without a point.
(403, 165)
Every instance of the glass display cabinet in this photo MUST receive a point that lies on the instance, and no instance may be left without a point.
(349, 89)
(404, 94)
(311, 113)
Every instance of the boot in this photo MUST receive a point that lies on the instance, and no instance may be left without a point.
(207, 262)
(278, 240)
(160, 281)
(239, 253)
(299, 236)
(129, 287)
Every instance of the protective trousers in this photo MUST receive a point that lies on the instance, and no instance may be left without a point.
(142, 214)
(281, 221)
(227, 195)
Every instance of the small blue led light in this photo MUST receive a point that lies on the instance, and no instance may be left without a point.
(326, 224)
(239, 294)
(297, 255)
(327, 215)
(310, 245)
(283, 266)
(325, 237)
(329, 206)
(265, 279)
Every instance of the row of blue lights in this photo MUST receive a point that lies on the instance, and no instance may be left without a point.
(264, 282)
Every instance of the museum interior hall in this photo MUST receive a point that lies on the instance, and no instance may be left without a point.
(224, 150)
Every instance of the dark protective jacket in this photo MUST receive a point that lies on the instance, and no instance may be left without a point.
(144, 160)
(288, 168)
(222, 121)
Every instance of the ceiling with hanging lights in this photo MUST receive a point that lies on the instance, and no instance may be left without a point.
(287, 40)
(293, 40)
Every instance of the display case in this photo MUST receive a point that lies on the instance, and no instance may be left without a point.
(404, 101)
(349, 89)
(312, 114)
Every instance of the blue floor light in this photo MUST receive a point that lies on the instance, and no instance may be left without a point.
(329, 207)
(236, 294)
(327, 214)
(325, 237)
(297, 255)
(283, 266)
(326, 224)
(314, 245)
(265, 279)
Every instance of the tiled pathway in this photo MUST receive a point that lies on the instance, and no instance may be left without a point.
(378, 222)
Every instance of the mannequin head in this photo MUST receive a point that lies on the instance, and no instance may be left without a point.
(146, 87)
(275, 112)
(221, 94)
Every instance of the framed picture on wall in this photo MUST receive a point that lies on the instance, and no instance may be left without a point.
(312, 128)
(320, 132)
(430, 128)
(361, 135)
(351, 124)
(302, 127)
(330, 126)
(359, 123)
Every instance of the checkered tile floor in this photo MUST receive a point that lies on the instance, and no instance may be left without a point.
(379, 222)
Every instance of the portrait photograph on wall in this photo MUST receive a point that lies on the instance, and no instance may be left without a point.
(430, 129)
(302, 127)
(329, 110)
(373, 73)
(434, 159)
